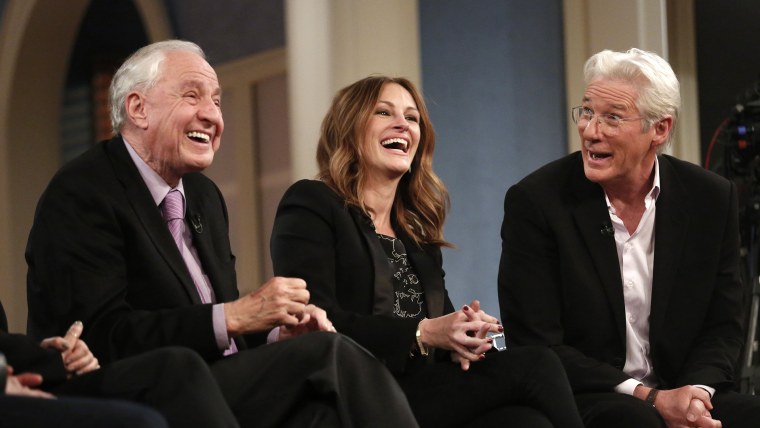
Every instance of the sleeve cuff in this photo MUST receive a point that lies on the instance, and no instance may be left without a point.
(709, 390)
(220, 326)
(274, 335)
(627, 386)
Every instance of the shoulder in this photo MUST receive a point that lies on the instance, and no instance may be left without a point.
(554, 173)
(89, 175)
(675, 172)
(558, 182)
(311, 193)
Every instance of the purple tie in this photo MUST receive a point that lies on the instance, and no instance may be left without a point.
(173, 210)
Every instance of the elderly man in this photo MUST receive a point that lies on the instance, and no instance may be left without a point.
(131, 239)
(625, 261)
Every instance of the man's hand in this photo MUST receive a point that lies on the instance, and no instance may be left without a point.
(23, 385)
(279, 302)
(77, 357)
(314, 319)
(687, 406)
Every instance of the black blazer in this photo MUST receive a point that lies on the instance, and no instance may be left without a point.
(560, 282)
(335, 249)
(100, 252)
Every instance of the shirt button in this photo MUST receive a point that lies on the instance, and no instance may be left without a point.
(628, 284)
(632, 319)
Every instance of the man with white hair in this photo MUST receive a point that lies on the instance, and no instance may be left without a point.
(625, 261)
(132, 240)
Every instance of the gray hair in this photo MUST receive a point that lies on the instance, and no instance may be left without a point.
(657, 84)
(140, 72)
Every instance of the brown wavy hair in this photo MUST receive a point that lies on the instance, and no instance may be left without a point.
(422, 200)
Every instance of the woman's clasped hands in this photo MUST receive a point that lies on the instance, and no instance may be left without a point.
(464, 332)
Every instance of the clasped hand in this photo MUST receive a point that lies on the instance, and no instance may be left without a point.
(280, 302)
(464, 332)
(77, 360)
(687, 406)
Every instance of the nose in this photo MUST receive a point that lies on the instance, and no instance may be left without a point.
(400, 123)
(593, 129)
(209, 111)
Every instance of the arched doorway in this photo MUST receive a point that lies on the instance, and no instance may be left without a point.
(37, 40)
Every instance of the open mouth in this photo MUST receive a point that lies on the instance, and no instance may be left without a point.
(199, 137)
(598, 156)
(396, 144)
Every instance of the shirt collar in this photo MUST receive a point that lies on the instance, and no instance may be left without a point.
(653, 193)
(156, 185)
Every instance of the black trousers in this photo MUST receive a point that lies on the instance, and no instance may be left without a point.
(75, 412)
(519, 387)
(313, 380)
(175, 381)
(607, 409)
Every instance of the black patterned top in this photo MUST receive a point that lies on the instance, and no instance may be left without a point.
(409, 298)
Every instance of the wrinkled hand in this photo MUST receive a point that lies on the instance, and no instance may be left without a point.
(278, 302)
(314, 319)
(687, 406)
(77, 357)
(23, 384)
(463, 332)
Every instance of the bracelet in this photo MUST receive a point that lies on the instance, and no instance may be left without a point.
(652, 396)
(418, 335)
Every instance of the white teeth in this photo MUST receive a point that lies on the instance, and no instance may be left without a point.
(199, 135)
(394, 141)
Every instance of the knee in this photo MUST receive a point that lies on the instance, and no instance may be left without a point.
(541, 357)
(175, 358)
(625, 412)
(319, 345)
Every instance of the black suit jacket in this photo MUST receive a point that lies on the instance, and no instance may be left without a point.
(334, 248)
(100, 252)
(560, 283)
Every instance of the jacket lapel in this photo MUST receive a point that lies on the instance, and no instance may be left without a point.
(671, 225)
(593, 221)
(148, 213)
(197, 221)
(383, 288)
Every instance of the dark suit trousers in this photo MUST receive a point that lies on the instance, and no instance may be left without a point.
(75, 412)
(175, 381)
(602, 410)
(314, 380)
(520, 387)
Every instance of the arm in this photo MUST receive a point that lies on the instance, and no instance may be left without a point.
(534, 294)
(716, 350)
(25, 354)
(315, 238)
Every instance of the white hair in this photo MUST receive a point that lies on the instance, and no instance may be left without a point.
(140, 72)
(657, 84)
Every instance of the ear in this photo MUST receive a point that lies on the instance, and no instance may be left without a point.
(662, 129)
(135, 109)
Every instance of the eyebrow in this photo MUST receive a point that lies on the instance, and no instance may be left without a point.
(393, 105)
(612, 106)
(197, 83)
